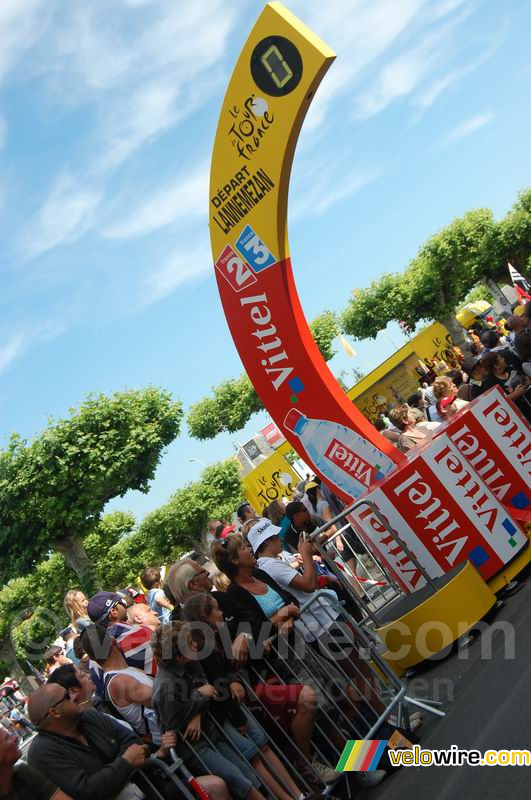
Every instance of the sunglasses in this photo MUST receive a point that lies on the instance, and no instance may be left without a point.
(106, 614)
(66, 696)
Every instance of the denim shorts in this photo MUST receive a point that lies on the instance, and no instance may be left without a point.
(227, 764)
(251, 742)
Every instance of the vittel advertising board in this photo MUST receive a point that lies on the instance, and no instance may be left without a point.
(445, 514)
(277, 73)
(495, 439)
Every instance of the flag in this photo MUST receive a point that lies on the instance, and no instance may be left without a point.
(361, 755)
(520, 283)
(346, 347)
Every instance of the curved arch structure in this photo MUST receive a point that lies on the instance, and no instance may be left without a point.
(277, 73)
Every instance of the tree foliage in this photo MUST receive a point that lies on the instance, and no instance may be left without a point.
(179, 523)
(233, 402)
(446, 267)
(53, 489)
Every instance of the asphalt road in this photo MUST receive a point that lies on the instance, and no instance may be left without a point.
(487, 697)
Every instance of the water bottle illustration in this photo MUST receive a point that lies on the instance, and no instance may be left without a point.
(344, 457)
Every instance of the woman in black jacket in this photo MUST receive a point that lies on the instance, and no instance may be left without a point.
(203, 608)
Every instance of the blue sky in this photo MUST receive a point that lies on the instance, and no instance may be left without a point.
(107, 119)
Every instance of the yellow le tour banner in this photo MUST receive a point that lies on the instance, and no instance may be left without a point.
(271, 480)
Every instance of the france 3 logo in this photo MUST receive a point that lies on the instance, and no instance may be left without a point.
(239, 269)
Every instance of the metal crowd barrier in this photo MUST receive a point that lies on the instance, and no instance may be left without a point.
(357, 691)
(368, 576)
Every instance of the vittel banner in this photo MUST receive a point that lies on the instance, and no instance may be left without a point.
(496, 442)
(393, 558)
(445, 514)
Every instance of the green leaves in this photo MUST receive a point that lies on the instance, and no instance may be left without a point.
(54, 488)
(174, 526)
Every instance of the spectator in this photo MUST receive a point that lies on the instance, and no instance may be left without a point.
(245, 512)
(68, 635)
(490, 340)
(181, 698)
(109, 610)
(443, 387)
(87, 754)
(22, 782)
(81, 687)
(321, 625)
(76, 604)
(476, 372)
(411, 434)
(81, 690)
(515, 325)
(388, 433)
(156, 599)
(319, 506)
(301, 521)
(500, 374)
(203, 608)
(217, 529)
(128, 689)
(276, 512)
(141, 614)
(258, 599)
(447, 407)
(20, 721)
(186, 578)
(54, 656)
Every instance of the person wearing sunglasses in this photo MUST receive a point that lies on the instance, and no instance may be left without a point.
(109, 610)
(18, 782)
(87, 754)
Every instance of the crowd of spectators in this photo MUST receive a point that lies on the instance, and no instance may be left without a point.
(490, 360)
(204, 666)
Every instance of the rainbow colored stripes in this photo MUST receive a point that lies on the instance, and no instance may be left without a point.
(361, 755)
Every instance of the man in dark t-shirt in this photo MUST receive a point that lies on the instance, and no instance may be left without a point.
(21, 782)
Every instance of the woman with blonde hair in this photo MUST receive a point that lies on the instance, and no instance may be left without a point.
(75, 604)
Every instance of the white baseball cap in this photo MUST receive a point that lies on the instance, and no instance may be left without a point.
(261, 531)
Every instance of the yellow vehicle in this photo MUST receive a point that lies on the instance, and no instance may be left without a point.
(400, 375)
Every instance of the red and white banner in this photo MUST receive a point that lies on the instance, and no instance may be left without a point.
(495, 439)
(444, 513)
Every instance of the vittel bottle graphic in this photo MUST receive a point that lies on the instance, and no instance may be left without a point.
(348, 460)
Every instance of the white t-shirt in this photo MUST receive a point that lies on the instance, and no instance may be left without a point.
(311, 623)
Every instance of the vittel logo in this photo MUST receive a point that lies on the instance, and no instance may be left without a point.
(352, 464)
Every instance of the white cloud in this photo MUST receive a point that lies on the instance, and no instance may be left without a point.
(11, 349)
(21, 24)
(16, 345)
(323, 189)
(182, 267)
(65, 215)
(184, 198)
(469, 126)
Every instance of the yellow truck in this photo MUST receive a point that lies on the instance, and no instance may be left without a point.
(399, 376)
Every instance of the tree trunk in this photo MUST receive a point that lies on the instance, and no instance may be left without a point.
(76, 556)
(7, 654)
(455, 329)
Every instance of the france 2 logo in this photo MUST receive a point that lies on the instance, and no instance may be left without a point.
(235, 270)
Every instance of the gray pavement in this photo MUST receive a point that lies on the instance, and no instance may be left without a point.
(488, 705)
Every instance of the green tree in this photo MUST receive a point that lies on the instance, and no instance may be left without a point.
(179, 523)
(31, 607)
(233, 402)
(434, 282)
(515, 236)
(53, 489)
